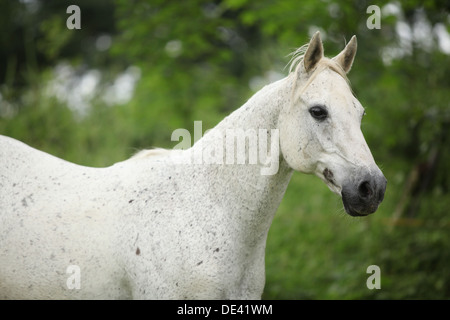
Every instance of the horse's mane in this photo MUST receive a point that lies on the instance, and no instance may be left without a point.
(297, 57)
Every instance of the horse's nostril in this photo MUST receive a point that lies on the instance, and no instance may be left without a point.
(365, 190)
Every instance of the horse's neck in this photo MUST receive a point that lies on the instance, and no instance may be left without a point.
(243, 186)
(262, 109)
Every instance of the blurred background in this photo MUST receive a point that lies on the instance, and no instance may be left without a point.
(137, 70)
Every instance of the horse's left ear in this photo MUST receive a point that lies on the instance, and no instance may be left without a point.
(346, 57)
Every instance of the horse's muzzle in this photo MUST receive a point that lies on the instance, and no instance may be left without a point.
(363, 196)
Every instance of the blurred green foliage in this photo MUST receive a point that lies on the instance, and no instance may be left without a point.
(199, 60)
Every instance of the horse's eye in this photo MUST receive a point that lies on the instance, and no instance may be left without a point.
(318, 112)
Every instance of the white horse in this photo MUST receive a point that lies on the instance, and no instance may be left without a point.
(163, 226)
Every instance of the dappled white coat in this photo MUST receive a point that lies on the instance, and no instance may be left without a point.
(160, 225)
(147, 227)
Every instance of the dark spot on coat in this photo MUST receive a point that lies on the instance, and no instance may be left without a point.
(138, 252)
(217, 250)
(131, 201)
(200, 263)
(328, 174)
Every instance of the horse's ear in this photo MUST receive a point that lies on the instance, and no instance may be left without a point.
(314, 52)
(346, 57)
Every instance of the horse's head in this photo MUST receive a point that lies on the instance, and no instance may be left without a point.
(320, 130)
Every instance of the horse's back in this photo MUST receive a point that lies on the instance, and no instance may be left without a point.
(52, 228)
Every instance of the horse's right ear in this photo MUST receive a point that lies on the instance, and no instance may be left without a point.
(314, 52)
